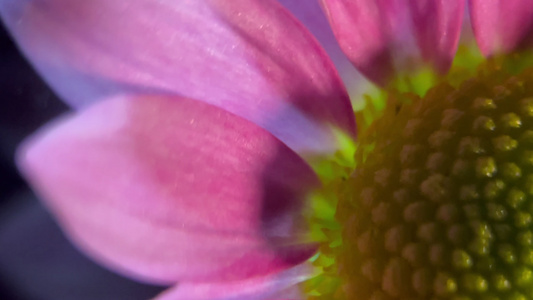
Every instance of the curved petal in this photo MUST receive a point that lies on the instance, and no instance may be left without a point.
(250, 57)
(502, 25)
(437, 25)
(381, 37)
(312, 16)
(278, 286)
(360, 30)
(167, 189)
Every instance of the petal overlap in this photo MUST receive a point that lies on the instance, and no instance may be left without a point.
(382, 38)
(165, 189)
(250, 57)
(312, 16)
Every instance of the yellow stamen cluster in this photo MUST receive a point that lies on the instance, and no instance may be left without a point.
(440, 205)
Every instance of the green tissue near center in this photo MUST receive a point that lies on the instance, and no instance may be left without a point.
(440, 205)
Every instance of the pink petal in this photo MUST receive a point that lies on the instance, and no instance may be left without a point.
(250, 57)
(502, 25)
(382, 37)
(277, 286)
(360, 32)
(166, 189)
(437, 26)
(312, 16)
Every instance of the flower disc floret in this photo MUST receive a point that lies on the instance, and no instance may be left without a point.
(441, 202)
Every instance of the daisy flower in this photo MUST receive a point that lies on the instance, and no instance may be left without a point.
(213, 145)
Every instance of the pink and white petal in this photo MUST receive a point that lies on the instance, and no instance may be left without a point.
(166, 189)
(283, 285)
(250, 57)
(312, 16)
(502, 25)
(437, 25)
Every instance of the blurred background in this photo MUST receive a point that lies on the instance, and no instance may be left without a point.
(36, 261)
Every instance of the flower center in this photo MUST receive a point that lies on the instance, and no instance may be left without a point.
(441, 202)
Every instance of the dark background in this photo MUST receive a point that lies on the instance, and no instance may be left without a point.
(36, 261)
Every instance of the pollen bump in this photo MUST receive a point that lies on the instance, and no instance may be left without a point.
(443, 196)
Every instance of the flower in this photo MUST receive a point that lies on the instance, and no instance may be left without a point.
(187, 159)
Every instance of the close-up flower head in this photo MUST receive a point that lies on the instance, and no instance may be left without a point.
(291, 149)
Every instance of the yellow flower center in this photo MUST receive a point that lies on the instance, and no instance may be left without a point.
(440, 204)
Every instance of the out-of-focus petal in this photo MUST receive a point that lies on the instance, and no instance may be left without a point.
(312, 16)
(277, 286)
(382, 37)
(250, 57)
(437, 25)
(361, 32)
(166, 189)
(502, 25)
(38, 262)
